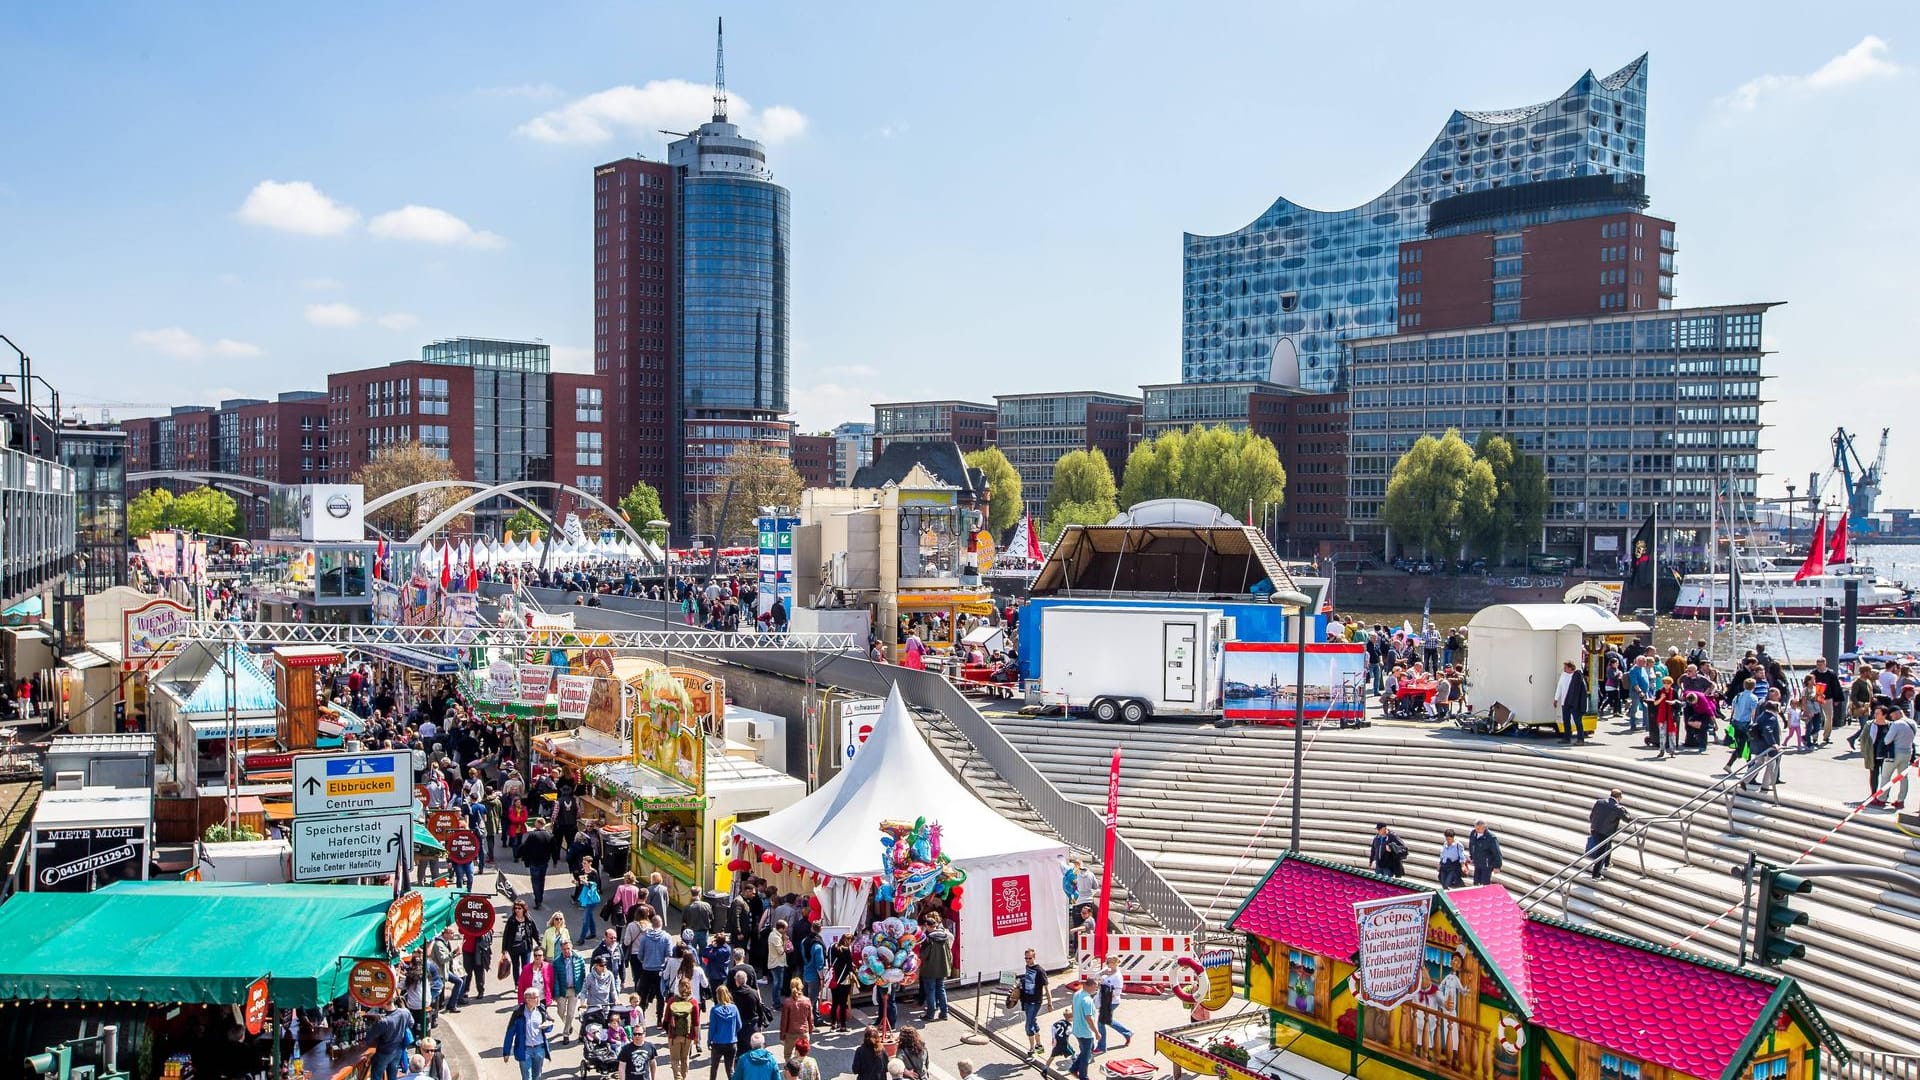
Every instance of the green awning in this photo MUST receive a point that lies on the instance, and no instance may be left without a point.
(424, 839)
(196, 942)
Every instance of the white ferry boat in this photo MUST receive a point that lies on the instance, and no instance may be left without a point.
(1767, 589)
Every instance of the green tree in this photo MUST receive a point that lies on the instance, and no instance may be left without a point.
(1083, 478)
(205, 510)
(1233, 470)
(640, 505)
(147, 511)
(754, 478)
(525, 523)
(1153, 469)
(1519, 498)
(1003, 486)
(1067, 514)
(1437, 492)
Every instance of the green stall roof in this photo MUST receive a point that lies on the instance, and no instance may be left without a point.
(198, 942)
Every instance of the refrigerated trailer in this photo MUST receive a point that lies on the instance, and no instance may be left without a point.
(1130, 663)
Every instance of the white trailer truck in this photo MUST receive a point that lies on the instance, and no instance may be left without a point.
(1131, 663)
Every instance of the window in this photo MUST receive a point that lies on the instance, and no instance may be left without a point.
(1506, 245)
(1303, 985)
(1506, 313)
(1615, 1067)
(1506, 290)
(587, 405)
(1508, 267)
(586, 448)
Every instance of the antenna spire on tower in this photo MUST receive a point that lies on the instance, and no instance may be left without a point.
(720, 71)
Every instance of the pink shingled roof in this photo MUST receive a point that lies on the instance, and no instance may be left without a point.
(1309, 906)
(1497, 923)
(1639, 1000)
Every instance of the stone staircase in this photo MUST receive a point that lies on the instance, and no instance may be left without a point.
(1193, 801)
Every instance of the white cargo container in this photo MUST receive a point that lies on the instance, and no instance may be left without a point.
(1131, 663)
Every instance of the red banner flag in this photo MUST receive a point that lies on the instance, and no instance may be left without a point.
(1837, 553)
(1816, 563)
(1033, 541)
(1106, 859)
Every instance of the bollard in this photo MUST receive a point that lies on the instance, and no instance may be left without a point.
(1851, 612)
(1830, 633)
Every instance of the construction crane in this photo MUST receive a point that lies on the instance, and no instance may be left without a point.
(1862, 480)
(105, 408)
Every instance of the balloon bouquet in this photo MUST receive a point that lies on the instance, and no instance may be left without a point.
(915, 870)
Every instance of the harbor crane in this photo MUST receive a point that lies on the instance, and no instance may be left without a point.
(1862, 480)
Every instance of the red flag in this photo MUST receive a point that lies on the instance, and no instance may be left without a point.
(1106, 859)
(446, 567)
(1838, 552)
(1033, 541)
(380, 559)
(1816, 563)
(473, 571)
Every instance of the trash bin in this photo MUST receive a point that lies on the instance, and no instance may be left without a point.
(618, 851)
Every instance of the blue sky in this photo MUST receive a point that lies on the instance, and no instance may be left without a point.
(222, 199)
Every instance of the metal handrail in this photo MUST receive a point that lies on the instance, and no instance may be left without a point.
(1870, 1065)
(1639, 829)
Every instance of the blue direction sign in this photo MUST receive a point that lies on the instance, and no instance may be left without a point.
(349, 783)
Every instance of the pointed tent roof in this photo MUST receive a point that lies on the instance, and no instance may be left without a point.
(194, 679)
(895, 776)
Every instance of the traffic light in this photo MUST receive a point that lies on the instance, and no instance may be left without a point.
(1772, 946)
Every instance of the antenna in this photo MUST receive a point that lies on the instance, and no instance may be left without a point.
(720, 71)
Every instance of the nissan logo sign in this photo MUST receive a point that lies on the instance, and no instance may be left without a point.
(339, 505)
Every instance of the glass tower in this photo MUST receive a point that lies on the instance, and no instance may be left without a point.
(1278, 299)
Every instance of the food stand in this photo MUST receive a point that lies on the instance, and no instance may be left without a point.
(1518, 649)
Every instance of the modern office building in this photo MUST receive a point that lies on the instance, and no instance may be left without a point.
(38, 521)
(283, 441)
(691, 269)
(852, 451)
(1036, 430)
(1281, 299)
(970, 425)
(1628, 411)
(1308, 432)
(813, 459)
(96, 454)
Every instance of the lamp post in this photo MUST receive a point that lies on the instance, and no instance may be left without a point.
(1299, 600)
(1790, 490)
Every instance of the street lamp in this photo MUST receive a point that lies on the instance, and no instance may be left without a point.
(666, 548)
(1300, 602)
(1790, 490)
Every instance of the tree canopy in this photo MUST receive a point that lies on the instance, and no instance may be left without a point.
(757, 477)
(1230, 469)
(1519, 497)
(1438, 494)
(525, 524)
(640, 505)
(1083, 492)
(403, 465)
(1003, 482)
(202, 510)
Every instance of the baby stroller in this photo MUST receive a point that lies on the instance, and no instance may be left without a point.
(601, 1038)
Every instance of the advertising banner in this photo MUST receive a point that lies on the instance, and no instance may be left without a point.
(152, 629)
(1393, 948)
(535, 681)
(501, 681)
(575, 691)
(1012, 905)
(1261, 675)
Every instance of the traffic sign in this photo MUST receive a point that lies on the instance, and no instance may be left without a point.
(444, 823)
(350, 845)
(463, 846)
(371, 983)
(343, 783)
(473, 913)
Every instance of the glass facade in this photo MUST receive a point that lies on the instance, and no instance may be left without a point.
(98, 460)
(1280, 299)
(1625, 411)
(733, 294)
(489, 353)
(1035, 430)
(1178, 406)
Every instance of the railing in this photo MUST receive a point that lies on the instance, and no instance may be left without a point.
(1870, 1065)
(1637, 831)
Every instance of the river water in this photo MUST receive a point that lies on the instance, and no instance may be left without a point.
(1795, 643)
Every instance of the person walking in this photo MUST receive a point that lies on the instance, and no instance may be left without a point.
(1642, 685)
(698, 918)
(1031, 987)
(600, 991)
(1745, 704)
(757, 1063)
(1664, 717)
(1763, 738)
(936, 966)
(910, 1050)
(1453, 856)
(680, 1018)
(1083, 1013)
(1602, 822)
(870, 1059)
(536, 853)
(723, 1034)
(650, 957)
(586, 893)
(569, 979)
(841, 974)
(1111, 985)
(796, 1014)
(536, 975)
(1570, 694)
(657, 894)
(1892, 746)
(529, 1036)
(801, 1065)
(779, 944)
(1828, 694)
(1387, 855)
(1860, 695)
(813, 967)
(518, 938)
(1483, 851)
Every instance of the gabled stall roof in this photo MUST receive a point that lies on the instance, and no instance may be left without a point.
(1161, 560)
(1587, 618)
(196, 683)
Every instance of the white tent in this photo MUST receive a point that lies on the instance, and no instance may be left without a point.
(1012, 900)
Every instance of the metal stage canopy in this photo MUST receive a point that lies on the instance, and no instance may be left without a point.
(266, 634)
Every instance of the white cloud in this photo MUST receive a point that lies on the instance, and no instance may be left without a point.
(573, 358)
(430, 225)
(399, 320)
(1866, 60)
(296, 206)
(823, 405)
(177, 342)
(670, 104)
(323, 284)
(333, 316)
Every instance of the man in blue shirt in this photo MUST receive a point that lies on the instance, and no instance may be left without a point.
(1744, 705)
(388, 1036)
(1085, 1007)
(1642, 685)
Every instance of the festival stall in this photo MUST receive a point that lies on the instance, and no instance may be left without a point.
(1518, 649)
(179, 966)
(893, 834)
(1352, 969)
(653, 768)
